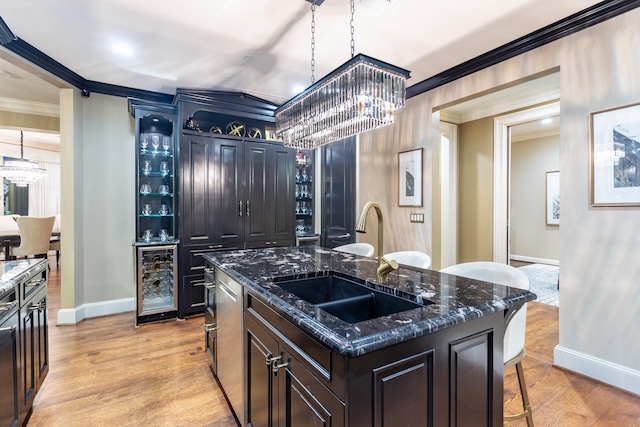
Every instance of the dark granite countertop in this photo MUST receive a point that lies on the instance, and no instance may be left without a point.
(455, 299)
(12, 272)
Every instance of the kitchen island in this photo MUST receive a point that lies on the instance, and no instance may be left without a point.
(24, 337)
(438, 362)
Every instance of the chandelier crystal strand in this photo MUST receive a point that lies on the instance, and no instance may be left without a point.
(360, 95)
(22, 172)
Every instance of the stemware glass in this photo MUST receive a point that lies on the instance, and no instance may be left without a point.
(166, 143)
(164, 168)
(146, 167)
(155, 142)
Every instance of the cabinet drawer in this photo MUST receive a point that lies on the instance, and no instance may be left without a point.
(324, 363)
(32, 284)
(194, 262)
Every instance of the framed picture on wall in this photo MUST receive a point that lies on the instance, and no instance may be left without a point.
(615, 156)
(410, 178)
(553, 198)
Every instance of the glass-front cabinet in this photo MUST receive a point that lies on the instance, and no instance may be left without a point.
(305, 233)
(156, 241)
(156, 201)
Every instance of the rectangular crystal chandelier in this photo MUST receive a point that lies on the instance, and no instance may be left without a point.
(360, 95)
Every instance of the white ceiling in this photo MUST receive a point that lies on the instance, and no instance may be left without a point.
(260, 47)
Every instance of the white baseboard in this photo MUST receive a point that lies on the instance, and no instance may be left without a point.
(598, 369)
(71, 316)
(534, 260)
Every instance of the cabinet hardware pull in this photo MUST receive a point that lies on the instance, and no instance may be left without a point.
(270, 358)
(38, 307)
(6, 306)
(9, 329)
(344, 236)
(276, 366)
(210, 327)
(209, 285)
(247, 208)
(209, 270)
(239, 207)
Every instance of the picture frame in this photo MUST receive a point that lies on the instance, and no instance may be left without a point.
(552, 192)
(615, 167)
(410, 178)
(270, 134)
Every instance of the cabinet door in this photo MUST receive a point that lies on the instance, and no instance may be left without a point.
(261, 390)
(197, 201)
(41, 339)
(303, 400)
(338, 168)
(29, 351)
(9, 385)
(229, 199)
(282, 202)
(257, 215)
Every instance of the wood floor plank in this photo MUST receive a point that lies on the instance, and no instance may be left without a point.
(105, 372)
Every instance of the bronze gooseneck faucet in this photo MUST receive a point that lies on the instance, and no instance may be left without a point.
(384, 266)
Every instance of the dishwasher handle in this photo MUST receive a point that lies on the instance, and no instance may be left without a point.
(224, 288)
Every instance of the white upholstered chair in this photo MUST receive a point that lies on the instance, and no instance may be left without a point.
(411, 258)
(504, 274)
(363, 249)
(35, 236)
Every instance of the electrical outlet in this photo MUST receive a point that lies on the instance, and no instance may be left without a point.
(416, 217)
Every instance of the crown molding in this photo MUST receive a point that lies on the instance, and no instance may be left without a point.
(572, 24)
(29, 107)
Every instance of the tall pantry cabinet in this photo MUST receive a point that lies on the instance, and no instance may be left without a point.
(237, 187)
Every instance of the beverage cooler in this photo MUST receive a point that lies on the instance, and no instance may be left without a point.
(157, 293)
(155, 243)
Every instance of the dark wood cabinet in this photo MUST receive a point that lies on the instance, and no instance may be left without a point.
(280, 391)
(34, 346)
(10, 374)
(235, 194)
(338, 180)
(452, 377)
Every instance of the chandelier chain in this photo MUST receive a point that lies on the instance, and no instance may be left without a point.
(353, 42)
(21, 146)
(313, 42)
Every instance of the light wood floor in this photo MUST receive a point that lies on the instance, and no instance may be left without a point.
(105, 372)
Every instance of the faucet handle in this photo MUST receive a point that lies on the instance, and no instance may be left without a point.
(391, 263)
(386, 266)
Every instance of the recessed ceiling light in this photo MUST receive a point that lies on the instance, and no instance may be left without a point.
(547, 121)
(297, 89)
(122, 49)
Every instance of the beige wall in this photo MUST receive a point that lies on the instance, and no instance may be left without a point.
(531, 237)
(98, 204)
(599, 294)
(475, 190)
(29, 121)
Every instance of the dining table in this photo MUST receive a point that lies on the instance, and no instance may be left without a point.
(11, 238)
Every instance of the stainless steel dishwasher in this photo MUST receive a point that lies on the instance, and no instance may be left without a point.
(229, 347)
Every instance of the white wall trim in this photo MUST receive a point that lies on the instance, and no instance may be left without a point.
(29, 107)
(501, 165)
(449, 194)
(71, 316)
(534, 259)
(598, 369)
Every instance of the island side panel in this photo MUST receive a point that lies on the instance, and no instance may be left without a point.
(441, 379)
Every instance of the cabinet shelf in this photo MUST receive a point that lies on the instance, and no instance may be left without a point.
(156, 174)
(159, 153)
(156, 195)
(156, 216)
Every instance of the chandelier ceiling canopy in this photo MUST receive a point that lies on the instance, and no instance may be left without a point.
(22, 172)
(360, 95)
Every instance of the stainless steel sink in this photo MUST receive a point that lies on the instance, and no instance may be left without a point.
(346, 298)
